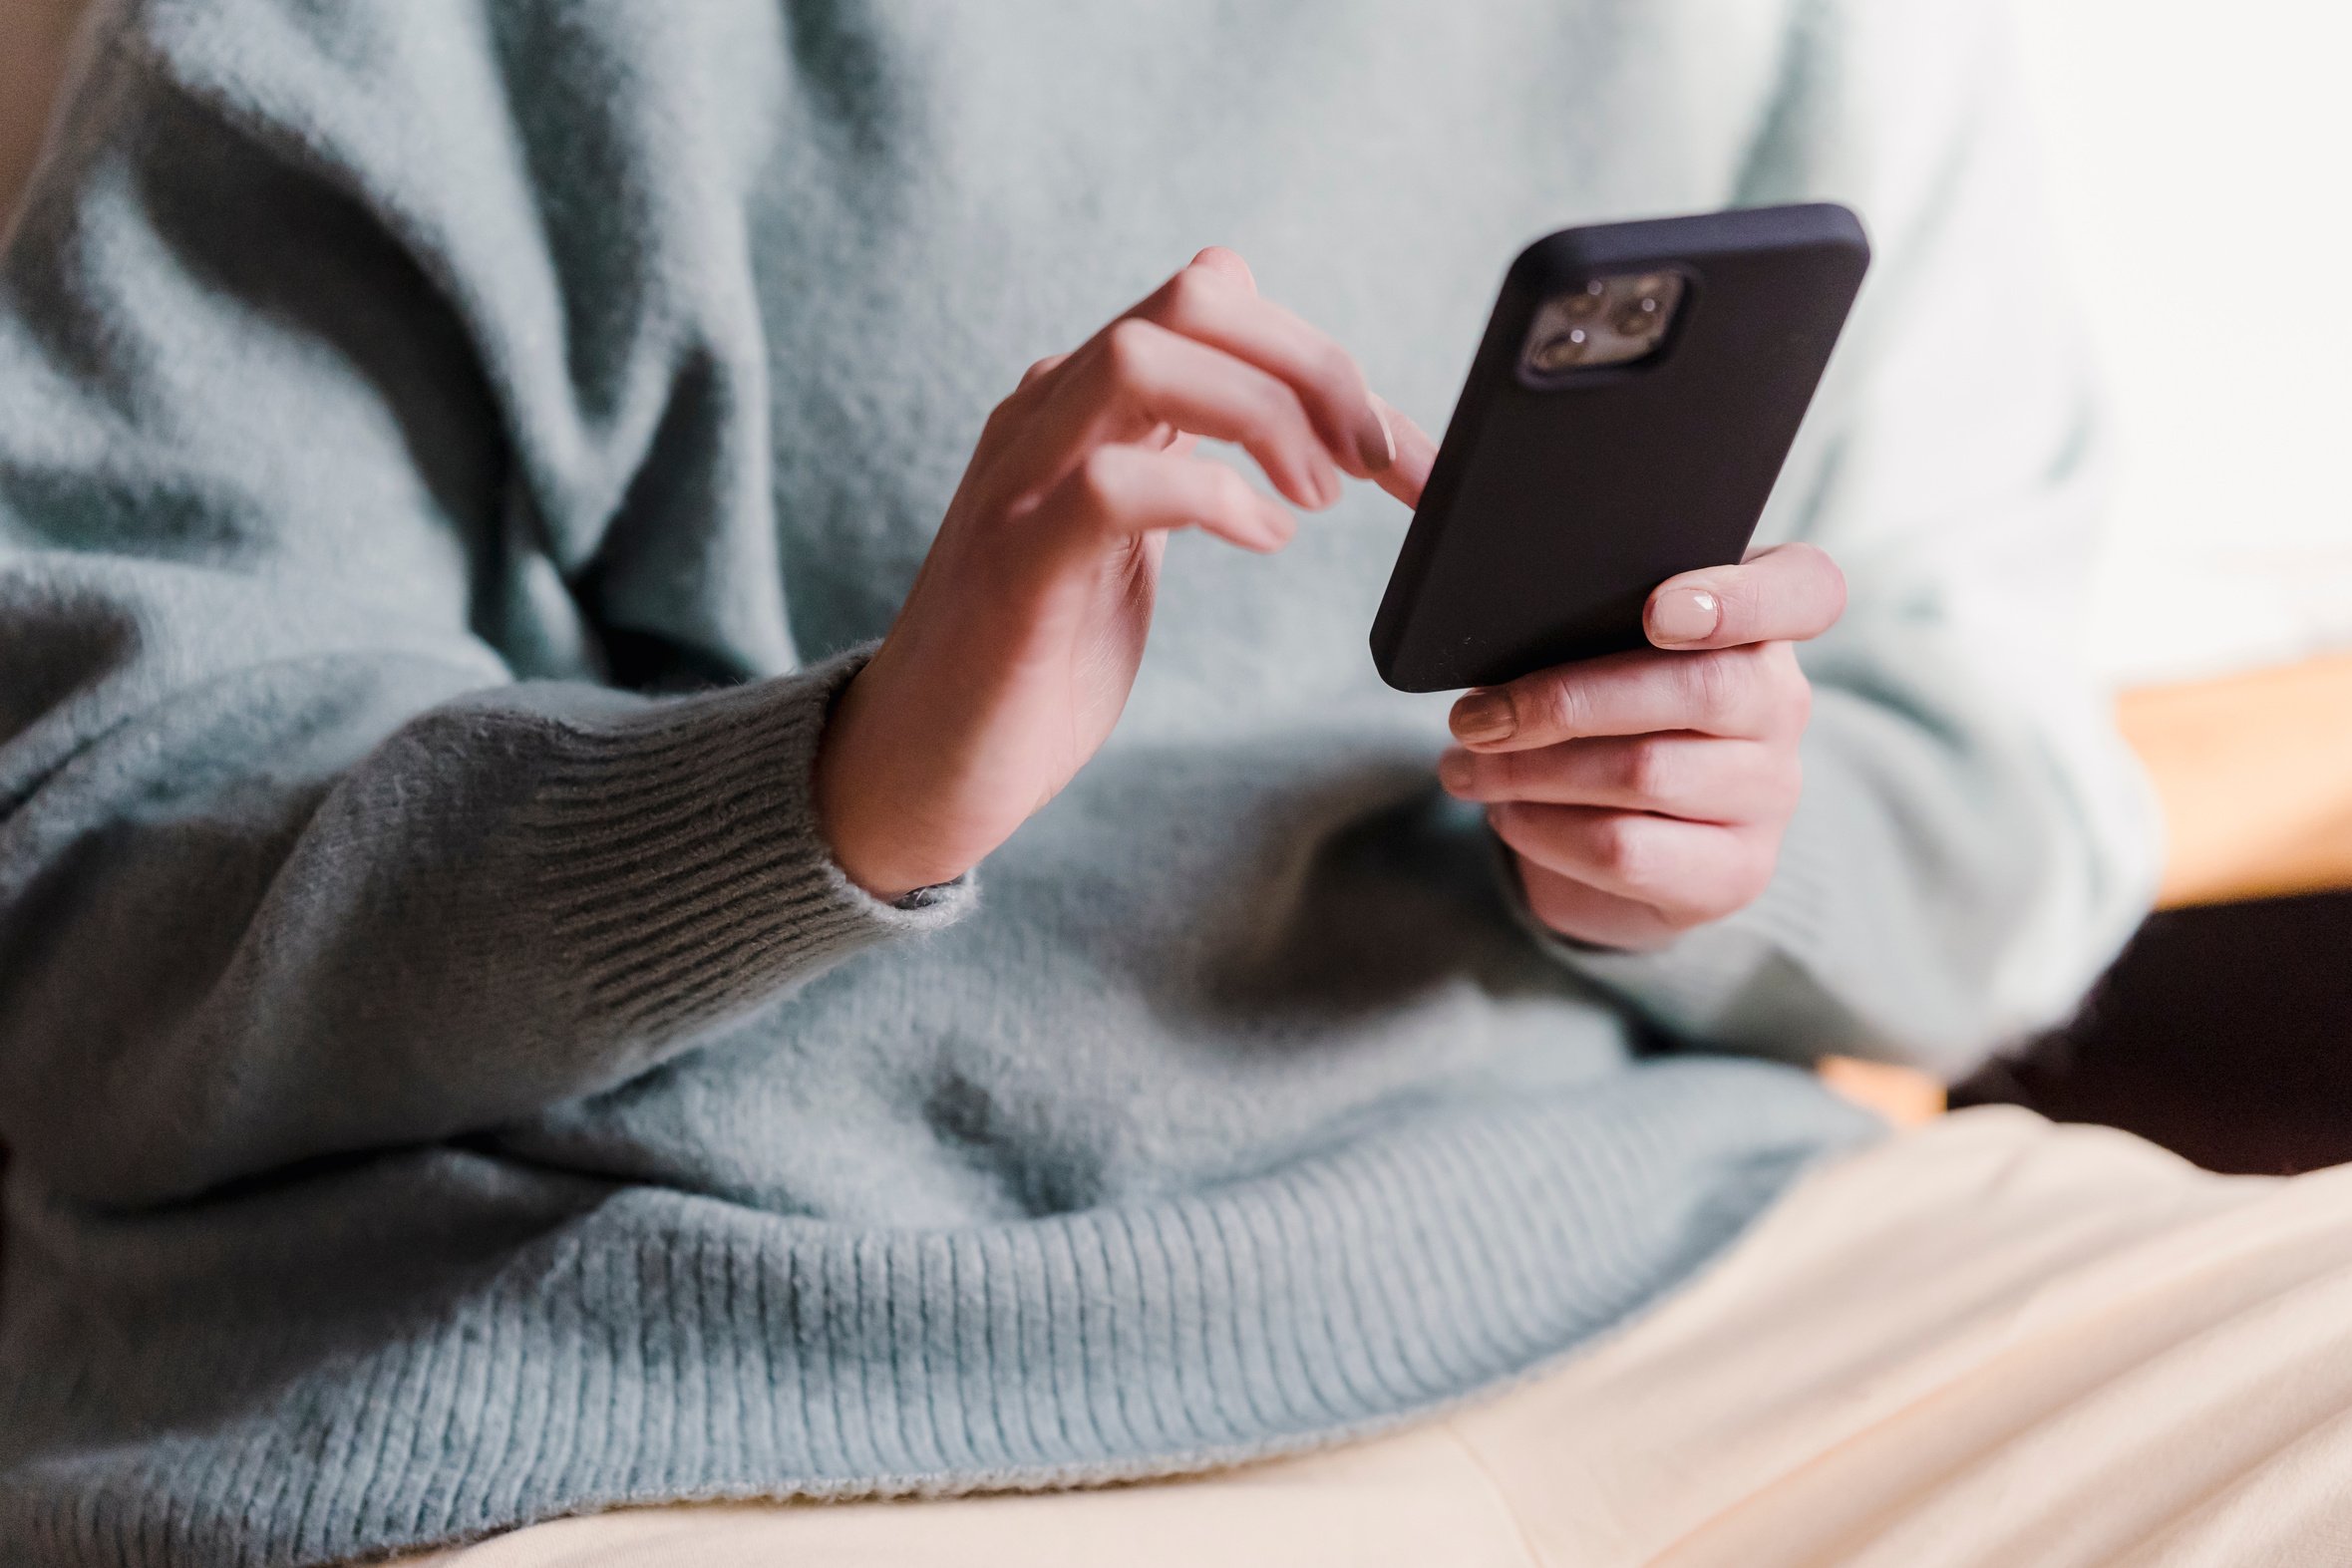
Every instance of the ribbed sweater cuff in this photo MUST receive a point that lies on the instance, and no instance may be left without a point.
(1714, 984)
(681, 863)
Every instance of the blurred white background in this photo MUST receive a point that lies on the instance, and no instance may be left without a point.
(2201, 172)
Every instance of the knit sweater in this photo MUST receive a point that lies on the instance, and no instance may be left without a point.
(451, 455)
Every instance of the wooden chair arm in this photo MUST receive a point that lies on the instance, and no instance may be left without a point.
(2254, 771)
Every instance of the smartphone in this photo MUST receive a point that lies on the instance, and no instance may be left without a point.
(1630, 406)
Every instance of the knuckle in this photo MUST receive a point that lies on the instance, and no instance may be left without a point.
(1097, 476)
(1834, 584)
(1505, 773)
(1334, 369)
(1546, 704)
(1573, 707)
(1817, 561)
(1190, 292)
(1784, 785)
(1651, 770)
(1127, 348)
(1776, 691)
(1276, 404)
(1739, 883)
(1766, 674)
(1796, 701)
(1625, 852)
(1038, 371)
(1817, 584)
(1711, 684)
(1735, 601)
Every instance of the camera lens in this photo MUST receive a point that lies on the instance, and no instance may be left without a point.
(1583, 306)
(1561, 351)
(1638, 319)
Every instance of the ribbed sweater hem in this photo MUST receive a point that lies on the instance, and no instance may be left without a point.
(652, 1345)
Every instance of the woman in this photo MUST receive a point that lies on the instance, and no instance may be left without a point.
(517, 1007)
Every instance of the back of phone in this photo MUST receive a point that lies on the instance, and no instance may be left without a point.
(1632, 401)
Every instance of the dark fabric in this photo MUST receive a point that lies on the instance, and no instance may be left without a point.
(2222, 1033)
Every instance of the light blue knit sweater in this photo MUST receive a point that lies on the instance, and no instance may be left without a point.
(449, 453)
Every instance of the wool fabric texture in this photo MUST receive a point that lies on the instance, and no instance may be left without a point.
(451, 456)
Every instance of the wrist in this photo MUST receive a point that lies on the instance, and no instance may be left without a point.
(857, 798)
(842, 801)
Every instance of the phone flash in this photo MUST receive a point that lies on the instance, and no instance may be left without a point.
(1601, 322)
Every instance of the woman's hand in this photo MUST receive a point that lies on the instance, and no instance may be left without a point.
(1645, 793)
(1014, 652)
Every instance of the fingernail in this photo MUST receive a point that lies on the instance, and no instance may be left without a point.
(1454, 772)
(1684, 615)
(1376, 444)
(1485, 715)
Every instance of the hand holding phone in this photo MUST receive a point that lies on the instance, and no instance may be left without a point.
(1644, 794)
(1635, 734)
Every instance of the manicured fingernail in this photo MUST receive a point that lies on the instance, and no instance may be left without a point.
(1454, 772)
(1485, 715)
(1684, 615)
(1376, 444)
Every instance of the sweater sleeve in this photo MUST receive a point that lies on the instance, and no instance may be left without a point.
(1974, 842)
(314, 396)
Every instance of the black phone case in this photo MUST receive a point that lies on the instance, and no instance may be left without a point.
(1555, 509)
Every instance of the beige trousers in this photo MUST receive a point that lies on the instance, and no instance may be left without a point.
(1992, 1341)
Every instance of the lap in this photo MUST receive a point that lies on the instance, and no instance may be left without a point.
(1991, 1340)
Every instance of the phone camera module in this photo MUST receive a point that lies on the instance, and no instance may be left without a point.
(1601, 322)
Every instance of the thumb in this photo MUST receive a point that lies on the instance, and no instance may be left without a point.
(1788, 593)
